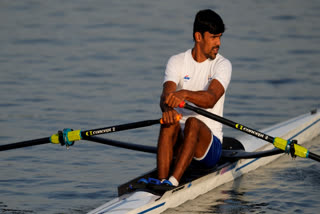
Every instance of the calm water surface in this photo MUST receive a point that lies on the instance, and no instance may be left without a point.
(89, 64)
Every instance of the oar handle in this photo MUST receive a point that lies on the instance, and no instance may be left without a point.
(178, 117)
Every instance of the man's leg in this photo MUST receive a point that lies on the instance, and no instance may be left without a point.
(167, 139)
(197, 137)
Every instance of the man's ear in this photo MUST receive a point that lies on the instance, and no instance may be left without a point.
(197, 36)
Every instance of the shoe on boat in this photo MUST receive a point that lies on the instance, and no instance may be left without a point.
(154, 181)
(152, 184)
(142, 181)
(165, 186)
(167, 183)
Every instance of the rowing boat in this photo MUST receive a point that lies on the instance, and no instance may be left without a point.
(196, 181)
(239, 156)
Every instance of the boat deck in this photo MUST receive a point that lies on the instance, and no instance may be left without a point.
(193, 172)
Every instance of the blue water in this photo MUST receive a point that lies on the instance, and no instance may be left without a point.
(91, 64)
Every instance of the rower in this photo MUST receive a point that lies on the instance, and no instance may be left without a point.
(199, 76)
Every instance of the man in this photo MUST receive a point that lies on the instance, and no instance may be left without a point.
(199, 76)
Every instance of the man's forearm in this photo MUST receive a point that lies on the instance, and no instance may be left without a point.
(168, 87)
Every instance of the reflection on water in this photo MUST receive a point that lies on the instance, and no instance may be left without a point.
(235, 204)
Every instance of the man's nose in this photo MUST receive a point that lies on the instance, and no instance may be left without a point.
(218, 41)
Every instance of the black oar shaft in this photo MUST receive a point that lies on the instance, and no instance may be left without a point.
(118, 128)
(78, 134)
(25, 144)
(284, 145)
(314, 156)
(241, 154)
(230, 123)
(136, 147)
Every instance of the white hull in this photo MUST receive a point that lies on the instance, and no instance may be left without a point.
(302, 128)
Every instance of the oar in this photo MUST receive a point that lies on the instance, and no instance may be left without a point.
(284, 145)
(68, 136)
(25, 144)
(226, 153)
(119, 144)
(241, 154)
(89, 135)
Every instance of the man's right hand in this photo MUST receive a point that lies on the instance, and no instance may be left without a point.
(170, 117)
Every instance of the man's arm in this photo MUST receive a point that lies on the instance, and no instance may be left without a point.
(169, 115)
(203, 99)
(168, 87)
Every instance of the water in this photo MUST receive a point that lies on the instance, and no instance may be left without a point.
(284, 186)
(90, 64)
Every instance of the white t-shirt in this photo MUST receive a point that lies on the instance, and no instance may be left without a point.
(194, 76)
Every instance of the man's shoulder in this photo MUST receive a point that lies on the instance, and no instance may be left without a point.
(222, 59)
(180, 56)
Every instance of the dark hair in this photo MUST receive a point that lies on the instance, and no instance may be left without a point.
(208, 20)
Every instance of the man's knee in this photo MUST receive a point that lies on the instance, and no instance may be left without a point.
(193, 122)
(169, 134)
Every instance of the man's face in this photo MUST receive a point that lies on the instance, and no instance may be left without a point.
(210, 44)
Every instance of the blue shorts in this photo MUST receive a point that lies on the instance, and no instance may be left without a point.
(213, 154)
